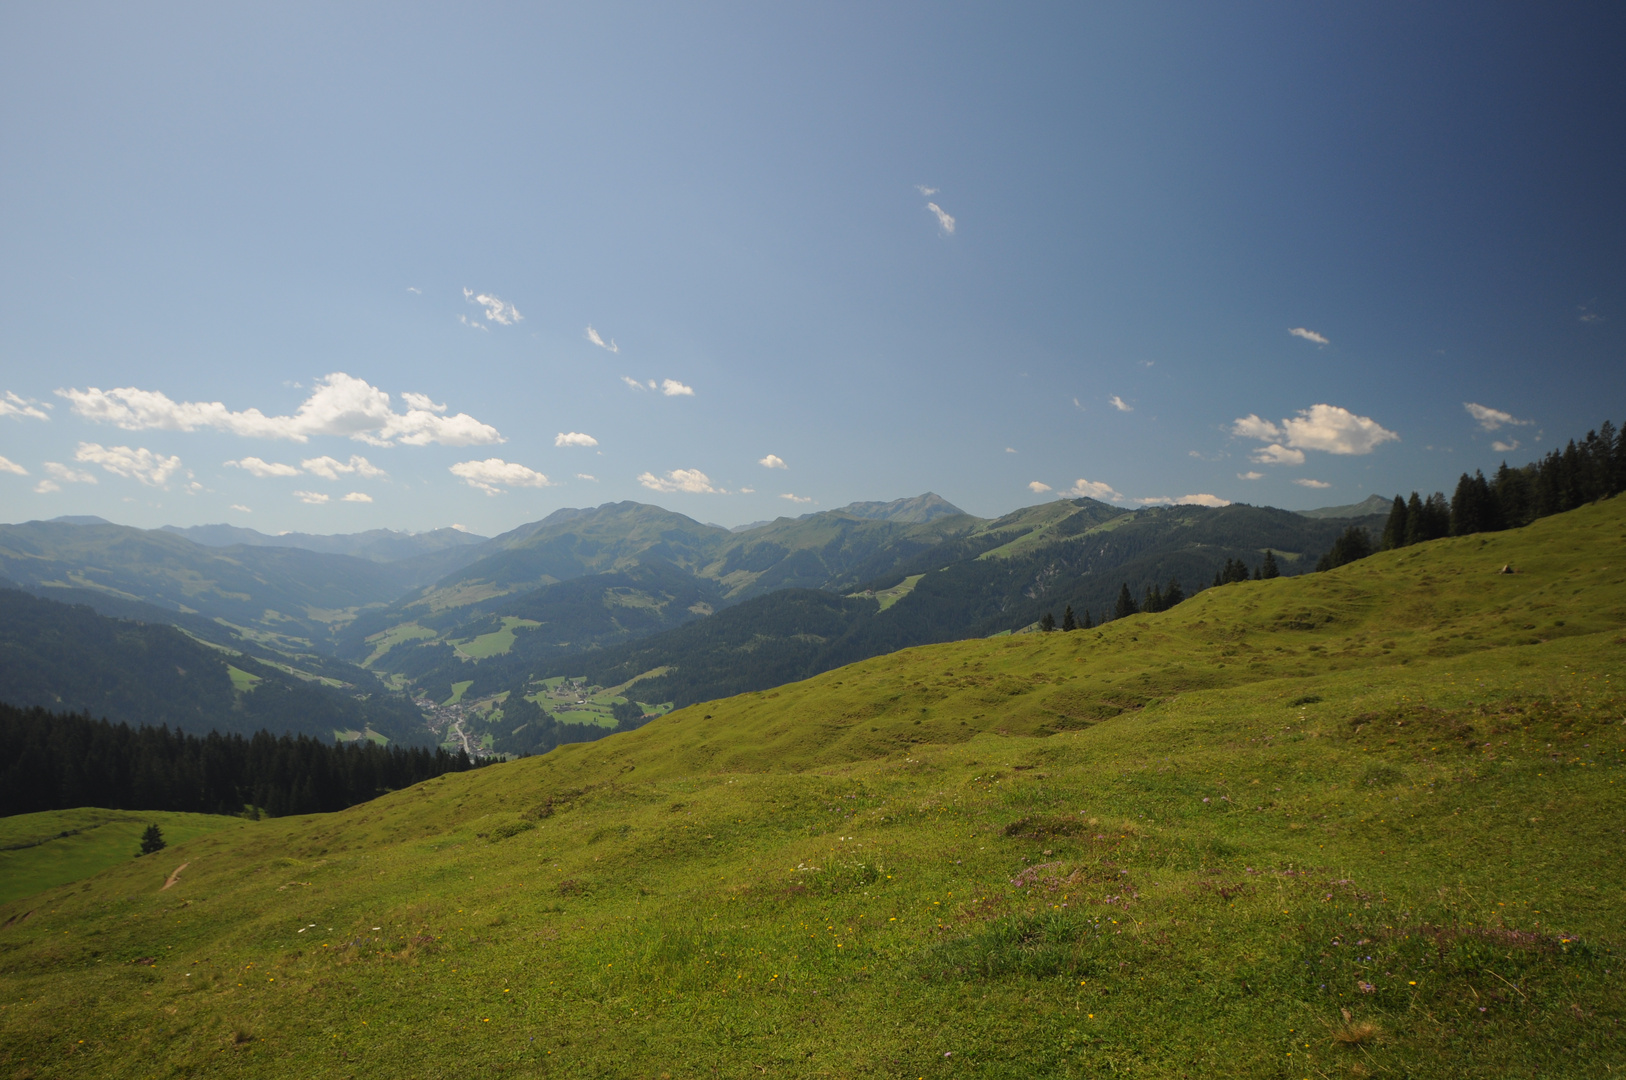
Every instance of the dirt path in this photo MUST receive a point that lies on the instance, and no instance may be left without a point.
(176, 876)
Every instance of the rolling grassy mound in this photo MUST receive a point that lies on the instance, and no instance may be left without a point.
(1366, 822)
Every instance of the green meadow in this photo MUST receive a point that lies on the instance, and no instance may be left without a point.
(38, 851)
(1360, 823)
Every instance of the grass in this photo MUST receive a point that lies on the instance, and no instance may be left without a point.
(56, 847)
(458, 689)
(891, 596)
(385, 640)
(496, 643)
(1359, 823)
(241, 680)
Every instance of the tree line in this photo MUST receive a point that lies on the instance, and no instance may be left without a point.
(1594, 468)
(56, 761)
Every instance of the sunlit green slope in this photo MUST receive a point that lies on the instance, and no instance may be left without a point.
(1366, 822)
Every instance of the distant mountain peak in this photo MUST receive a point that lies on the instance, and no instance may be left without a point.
(920, 509)
(81, 519)
(1372, 504)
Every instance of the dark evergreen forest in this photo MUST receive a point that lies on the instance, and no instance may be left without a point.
(56, 761)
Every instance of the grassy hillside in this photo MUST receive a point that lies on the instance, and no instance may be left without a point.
(1359, 823)
(56, 847)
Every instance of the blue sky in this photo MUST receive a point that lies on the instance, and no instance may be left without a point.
(333, 267)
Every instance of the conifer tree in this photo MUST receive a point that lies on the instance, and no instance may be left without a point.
(1268, 569)
(1048, 623)
(1126, 603)
(1172, 594)
(1068, 621)
(1394, 530)
(1414, 521)
(152, 840)
(1153, 601)
(1088, 623)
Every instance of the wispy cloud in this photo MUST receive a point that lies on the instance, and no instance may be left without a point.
(797, 498)
(773, 461)
(748, 491)
(587, 476)
(1308, 335)
(1490, 419)
(1039, 487)
(262, 468)
(241, 509)
(574, 438)
(331, 469)
(1305, 481)
(410, 289)
(610, 346)
(944, 218)
(358, 496)
(9, 466)
(1092, 489)
(13, 405)
(492, 474)
(339, 405)
(314, 498)
(1250, 475)
(926, 192)
(1505, 447)
(141, 464)
(473, 324)
(1327, 428)
(45, 487)
(1589, 316)
(636, 385)
(673, 388)
(1010, 449)
(690, 481)
(497, 310)
(65, 475)
(1120, 404)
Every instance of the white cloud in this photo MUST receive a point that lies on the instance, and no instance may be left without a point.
(1329, 428)
(926, 192)
(1505, 447)
(496, 310)
(692, 481)
(1277, 454)
(9, 466)
(1186, 500)
(1249, 475)
(340, 405)
(673, 388)
(315, 498)
(1091, 489)
(773, 461)
(1491, 419)
(471, 324)
(490, 474)
(635, 384)
(330, 469)
(262, 468)
(1252, 427)
(241, 509)
(944, 219)
(65, 475)
(587, 476)
(748, 491)
(574, 438)
(141, 464)
(1038, 487)
(1120, 404)
(410, 289)
(797, 498)
(1308, 335)
(12, 405)
(1305, 481)
(1010, 449)
(358, 496)
(45, 487)
(593, 336)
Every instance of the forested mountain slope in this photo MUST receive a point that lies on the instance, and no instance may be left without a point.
(68, 658)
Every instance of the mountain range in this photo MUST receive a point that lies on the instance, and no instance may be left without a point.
(632, 594)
